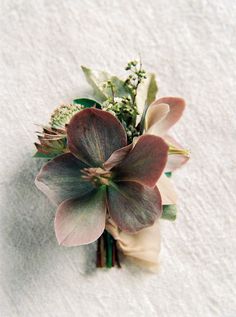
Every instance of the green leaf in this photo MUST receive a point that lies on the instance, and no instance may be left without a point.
(168, 174)
(151, 89)
(109, 241)
(169, 212)
(120, 89)
(96, 79)
(146, 94)
(87, 103)
(42, 155)
(142, 120)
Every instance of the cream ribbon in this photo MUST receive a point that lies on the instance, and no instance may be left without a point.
(143, 247)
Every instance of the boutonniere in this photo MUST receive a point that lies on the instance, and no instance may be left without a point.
(108, 166)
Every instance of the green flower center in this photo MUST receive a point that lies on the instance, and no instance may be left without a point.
(62, 115)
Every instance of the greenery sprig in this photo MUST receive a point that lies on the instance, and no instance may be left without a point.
(137, 75)
(125, 107)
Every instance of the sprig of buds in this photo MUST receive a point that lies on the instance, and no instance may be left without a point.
(137, 75)
(125, 108)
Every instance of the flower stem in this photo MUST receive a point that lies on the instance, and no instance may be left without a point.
(107, 252)
(109, 248)
(117, 259)
(100, 252)
(113, 253)
(98, 263)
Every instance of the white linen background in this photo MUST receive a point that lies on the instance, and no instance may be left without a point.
(191, 45)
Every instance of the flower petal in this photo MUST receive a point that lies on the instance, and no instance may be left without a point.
(167, 190)
(81, 221)
(133, 206)
(145, 162)
(175, 161)
(60, 179)
(155, 113)
(117, 157)
(176, 105)
(93, 135)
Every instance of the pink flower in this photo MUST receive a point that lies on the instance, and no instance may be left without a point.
(102, 176)
(161, 115)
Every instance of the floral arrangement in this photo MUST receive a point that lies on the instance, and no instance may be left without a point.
(109, 164)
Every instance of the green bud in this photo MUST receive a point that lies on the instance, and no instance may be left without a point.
(62, 115)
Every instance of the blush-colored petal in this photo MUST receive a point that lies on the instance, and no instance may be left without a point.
(145, 162)
(155, 113)
(170, 140)
(81, 221)
(175, 161)
(176, 106)
(60, 179)
(133, 206)
(167, 190)
(93, 135)
(117, 157)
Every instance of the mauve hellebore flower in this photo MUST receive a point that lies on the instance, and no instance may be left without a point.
(103, 175)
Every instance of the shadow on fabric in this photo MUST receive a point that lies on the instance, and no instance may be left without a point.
(30, 250)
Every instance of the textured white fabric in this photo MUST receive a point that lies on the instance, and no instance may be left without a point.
(191, 45)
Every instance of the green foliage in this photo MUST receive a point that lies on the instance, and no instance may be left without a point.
(87, 103)
(109, 241)
(152, 88)
(135, 78)
(146, 94)
(169, 212)
(120, 90)
(44, 156)
(168, 174)
(96, 80)
(124, 98)
(105, 86)
(51, 142)
(62, 115)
